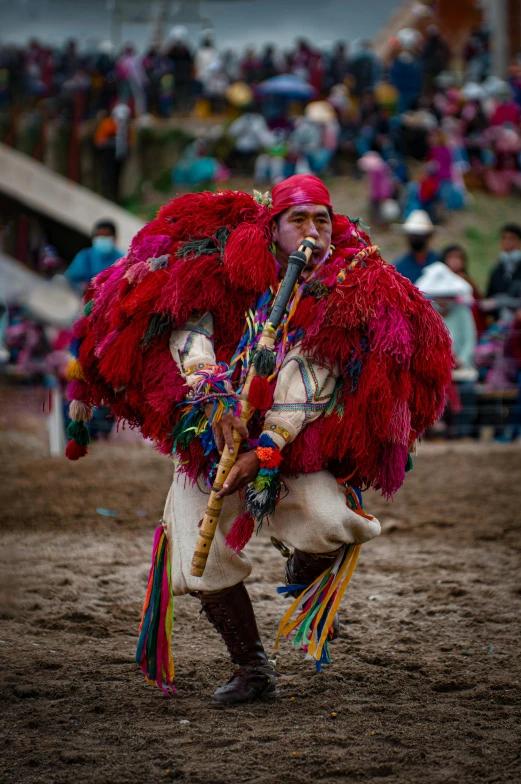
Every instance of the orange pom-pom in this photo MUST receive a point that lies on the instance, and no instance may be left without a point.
(269, 457)
(73, 371)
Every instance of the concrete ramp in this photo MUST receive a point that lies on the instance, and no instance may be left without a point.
(51, 302)
(16, 280)
(41, 189)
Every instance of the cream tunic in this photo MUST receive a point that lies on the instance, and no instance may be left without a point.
(312, 516)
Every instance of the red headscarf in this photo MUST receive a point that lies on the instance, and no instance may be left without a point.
(299, 189)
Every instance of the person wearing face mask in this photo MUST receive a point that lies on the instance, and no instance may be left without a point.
(90, 261)
(102, 253)
(418, 229)
(504, 287)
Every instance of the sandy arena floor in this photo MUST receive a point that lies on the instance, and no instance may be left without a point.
(425, 679)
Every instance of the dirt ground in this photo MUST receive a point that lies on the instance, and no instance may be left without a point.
(425, 680)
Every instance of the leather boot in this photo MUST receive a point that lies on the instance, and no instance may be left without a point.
(304, 568)
(231, 613)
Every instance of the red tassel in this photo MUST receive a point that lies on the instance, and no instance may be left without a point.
(248, 262)
(74, 451)
(241, 532)
(260, 394)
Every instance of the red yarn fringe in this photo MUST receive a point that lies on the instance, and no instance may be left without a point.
(241, 532)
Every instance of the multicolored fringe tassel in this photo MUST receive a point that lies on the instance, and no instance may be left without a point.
(263, 494)
(80, 413)
(317, 606)
(154, 648)
(213, 387)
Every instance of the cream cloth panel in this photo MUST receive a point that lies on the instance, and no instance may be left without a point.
(313, 517)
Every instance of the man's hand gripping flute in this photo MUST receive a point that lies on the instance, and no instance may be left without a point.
(296, 263)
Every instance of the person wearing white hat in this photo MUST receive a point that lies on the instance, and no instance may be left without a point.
(179, 51)
(452, 297)
(418, 229)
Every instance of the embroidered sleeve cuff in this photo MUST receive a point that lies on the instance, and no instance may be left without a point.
(195, 369)
(280, 431)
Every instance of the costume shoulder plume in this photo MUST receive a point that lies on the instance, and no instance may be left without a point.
(204, 252)
(394, 355)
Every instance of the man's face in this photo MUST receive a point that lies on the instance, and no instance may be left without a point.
(303, 220)
(510, 242)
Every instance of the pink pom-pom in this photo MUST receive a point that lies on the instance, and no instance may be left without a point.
(78, 390)
(74, 451)
(260, 394)
(241, 532)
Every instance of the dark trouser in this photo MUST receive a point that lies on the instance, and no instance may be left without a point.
(111, 171)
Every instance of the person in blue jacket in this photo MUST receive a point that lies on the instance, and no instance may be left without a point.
(85, 265)
(90, 261)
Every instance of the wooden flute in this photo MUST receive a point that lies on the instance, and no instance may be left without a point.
(296, 263)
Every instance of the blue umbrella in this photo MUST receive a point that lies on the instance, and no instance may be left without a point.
(287, 86)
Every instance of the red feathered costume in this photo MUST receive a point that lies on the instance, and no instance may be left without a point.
(211, 253)
(385, 358)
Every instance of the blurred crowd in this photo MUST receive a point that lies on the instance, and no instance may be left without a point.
(304, 109)
(485, 327)
(424, 126)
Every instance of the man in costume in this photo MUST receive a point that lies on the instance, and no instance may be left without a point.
(359, 370)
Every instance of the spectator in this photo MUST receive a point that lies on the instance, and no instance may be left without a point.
(456, 259)
(206, 60)
(507, 111)
(301, 59)
(435, 58)
(269, 63)
(477, 55)
(251, 135)
(182, 64)
(133, 79)
(251, 67)
(69, 60)
(504, 287)
(418, 230)
(451, 297)
(381, 184)
(405, 74)
(112, 139)
(90, 261)
(365, 69)
(339, 64)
